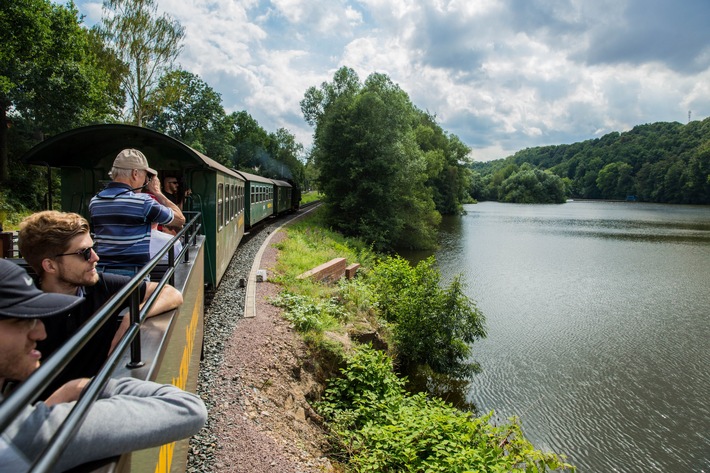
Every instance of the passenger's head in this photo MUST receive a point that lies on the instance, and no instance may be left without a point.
(22, 306)
(59, 243)
(171, 184)
(131, 167)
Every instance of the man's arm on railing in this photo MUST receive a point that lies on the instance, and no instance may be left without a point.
(168, 299)
(69, 392)
(130, 415)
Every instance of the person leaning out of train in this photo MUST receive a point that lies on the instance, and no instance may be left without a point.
(121, 214)
(174, 191)
(130, 414)
(59, 248)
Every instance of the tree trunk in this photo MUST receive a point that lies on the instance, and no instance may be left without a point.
(4, 125)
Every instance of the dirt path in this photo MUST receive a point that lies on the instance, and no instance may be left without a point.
(262, 419)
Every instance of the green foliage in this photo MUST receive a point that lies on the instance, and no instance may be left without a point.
(532, 186)
(146, 43)
(376, 425)
(308, 197)
(614, 181)
(387, 170)
(381, 428)
(310, 243)
(658, 162)
(53, 75)
(185, 107)
(308, 314)
(431, 325)
(275, 155)
(366, 385)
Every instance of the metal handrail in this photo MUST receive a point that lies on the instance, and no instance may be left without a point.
(27, 391)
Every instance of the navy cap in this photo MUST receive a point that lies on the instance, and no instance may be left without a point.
(20, 298)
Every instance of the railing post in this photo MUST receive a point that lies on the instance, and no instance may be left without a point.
(171, 264)
(134, 314)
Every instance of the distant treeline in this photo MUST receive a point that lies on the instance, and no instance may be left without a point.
(658, 162)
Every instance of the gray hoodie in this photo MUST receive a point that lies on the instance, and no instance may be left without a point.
(130, 415)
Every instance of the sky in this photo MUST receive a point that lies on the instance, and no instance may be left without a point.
(502, 75)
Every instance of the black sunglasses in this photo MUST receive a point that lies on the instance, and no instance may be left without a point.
(86, 253)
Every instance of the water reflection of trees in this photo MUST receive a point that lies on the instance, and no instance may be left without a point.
(450, 389)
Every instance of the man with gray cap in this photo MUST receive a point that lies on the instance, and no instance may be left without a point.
(129, 415)
(122, 213)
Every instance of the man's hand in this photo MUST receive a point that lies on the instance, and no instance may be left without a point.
(69, 392)
(153, 186)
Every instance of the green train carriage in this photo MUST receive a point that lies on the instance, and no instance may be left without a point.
(85, 155)
(283, 197)
(260, 202)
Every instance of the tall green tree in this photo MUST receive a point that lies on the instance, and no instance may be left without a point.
(446, 156)
(530, 185)
(288, 156)
(250, 141)
(371, 170)
(53, 72)
(188, 109)
(183, 105)
(614, 180)
(316, 101)
(147, 43)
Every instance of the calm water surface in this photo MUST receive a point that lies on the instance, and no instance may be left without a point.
(598, 318)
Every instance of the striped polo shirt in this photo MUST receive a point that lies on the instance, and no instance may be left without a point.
(121, 221)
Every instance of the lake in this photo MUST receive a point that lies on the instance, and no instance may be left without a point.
(598, 317)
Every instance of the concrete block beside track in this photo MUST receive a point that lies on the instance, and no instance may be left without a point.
(351, 270)
(326, 272)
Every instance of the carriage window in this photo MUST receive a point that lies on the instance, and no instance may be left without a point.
(227, 204)
(232, 203)
(220, 204)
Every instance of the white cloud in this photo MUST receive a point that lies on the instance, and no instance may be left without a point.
(501, 74)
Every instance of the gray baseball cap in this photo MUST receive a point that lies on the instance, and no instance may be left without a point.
(20, 298)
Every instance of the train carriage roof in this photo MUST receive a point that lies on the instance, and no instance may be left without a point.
(97, 145)
(255, 178)
(281, 183)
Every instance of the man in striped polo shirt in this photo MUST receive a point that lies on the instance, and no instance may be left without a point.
(122, 213)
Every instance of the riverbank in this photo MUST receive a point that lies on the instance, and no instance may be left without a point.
(260, 380)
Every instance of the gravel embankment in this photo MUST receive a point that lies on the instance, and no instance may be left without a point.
(252, 382)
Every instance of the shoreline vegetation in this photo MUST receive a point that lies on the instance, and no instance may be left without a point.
(362, 333)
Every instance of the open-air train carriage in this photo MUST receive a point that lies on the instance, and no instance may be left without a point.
(84, 157)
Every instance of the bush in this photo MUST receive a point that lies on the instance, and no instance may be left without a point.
(308, 314)
(431, 325)
(381, 428)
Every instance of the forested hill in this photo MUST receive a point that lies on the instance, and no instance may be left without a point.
(657, 162)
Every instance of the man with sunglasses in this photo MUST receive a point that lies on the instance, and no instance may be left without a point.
(121, 214)
(129, 415)
(59, 248)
